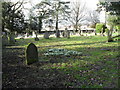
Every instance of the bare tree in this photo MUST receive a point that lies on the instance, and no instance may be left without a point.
(59, 8)
(42, 12)
(93, 17)
(77, 13)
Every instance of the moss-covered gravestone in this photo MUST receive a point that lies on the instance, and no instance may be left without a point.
(31, 54)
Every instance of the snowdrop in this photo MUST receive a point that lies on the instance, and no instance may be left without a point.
(61, 52)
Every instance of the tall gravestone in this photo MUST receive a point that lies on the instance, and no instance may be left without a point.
(31, 54)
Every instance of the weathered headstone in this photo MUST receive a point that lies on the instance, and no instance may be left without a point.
(33, 34)
(46, 35)
(31, 54)
(12, 38)
(36, 39)
(57, 34)
(4, 40)
(66, 33)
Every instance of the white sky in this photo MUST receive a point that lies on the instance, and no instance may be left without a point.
(91, 4)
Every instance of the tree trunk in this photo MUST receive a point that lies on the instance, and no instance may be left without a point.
(57, 31)
(110, 31)
(36, 38)
(76, 26)
(40, 24)
(80, 32)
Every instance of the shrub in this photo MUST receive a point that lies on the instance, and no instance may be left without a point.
(99, 27)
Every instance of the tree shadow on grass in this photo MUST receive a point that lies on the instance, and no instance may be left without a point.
(17, 74)
(73, 44)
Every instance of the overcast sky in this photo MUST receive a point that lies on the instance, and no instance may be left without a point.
(90, 4)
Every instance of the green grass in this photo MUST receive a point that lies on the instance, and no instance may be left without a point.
(96, 68)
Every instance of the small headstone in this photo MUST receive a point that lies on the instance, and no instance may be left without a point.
(12, 38)
(33, 34)
(4, 40)
(31, 54)
(66, 33)
(46, 35)
(57, 34)
(36, 39)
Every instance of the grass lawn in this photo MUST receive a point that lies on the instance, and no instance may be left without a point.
(97, 67)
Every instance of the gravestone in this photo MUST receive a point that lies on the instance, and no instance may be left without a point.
(36, 39)
(66, 33)
(4, 40)
(46, 35)
(33, 34)
(57, 34)
(31, 54)
(12, 38)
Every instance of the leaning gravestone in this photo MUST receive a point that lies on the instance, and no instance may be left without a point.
(31, 54)
(68, 34)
